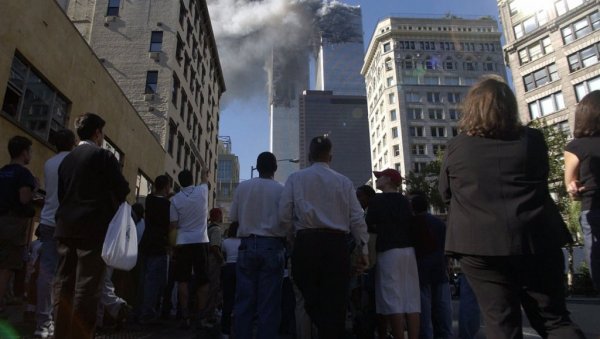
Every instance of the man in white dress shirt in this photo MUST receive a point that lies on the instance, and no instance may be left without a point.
(323, 208)
(260, 262)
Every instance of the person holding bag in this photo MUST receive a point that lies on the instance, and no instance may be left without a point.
(502, 223)
(90, 190)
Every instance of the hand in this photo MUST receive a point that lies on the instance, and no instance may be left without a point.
(204, 176)
(574, 188)
(362, 263)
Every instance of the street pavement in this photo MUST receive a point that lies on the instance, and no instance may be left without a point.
(584, 311)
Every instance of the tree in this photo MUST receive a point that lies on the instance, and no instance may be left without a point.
(556, 140)
(427, 181)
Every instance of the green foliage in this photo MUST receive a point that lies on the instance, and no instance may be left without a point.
(427, 181)
(556, 140)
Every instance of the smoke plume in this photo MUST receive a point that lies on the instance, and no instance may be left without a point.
(249, 31)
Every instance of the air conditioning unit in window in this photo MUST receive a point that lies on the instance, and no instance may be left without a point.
(155, 56)
(148, 96)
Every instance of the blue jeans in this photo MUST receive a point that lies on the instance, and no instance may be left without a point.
(469, 315)
(259, 275)
(155, 280)
(590, 226)
(48, 264)
(436, 311)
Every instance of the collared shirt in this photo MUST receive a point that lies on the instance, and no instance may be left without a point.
(319, 197)
(255, 207)
(189, 208)
(47, 216)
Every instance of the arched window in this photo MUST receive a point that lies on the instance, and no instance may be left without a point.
(469, 64)
(408, 62)
(449, 63)
(429, 63)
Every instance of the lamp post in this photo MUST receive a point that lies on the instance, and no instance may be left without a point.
(252, 168)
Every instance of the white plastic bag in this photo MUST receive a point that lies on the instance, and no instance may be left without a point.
(120, 245)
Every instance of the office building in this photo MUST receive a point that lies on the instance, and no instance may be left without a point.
(164, 57)
(49, 76)
(417, 71)
(553, 51)
(343, 118)
(228, 176)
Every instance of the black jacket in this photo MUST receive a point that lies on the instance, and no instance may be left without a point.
(498, 196)
(90, 189)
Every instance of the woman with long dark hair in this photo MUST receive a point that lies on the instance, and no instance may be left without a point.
(502, 223)
(582, 175)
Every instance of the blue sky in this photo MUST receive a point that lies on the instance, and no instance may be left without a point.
(247, 121)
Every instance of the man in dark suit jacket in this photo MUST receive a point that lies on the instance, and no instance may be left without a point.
(90, 190)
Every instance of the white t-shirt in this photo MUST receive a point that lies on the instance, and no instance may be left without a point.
(51, 183)
(255, 206)
(189, 208)
(230, 248)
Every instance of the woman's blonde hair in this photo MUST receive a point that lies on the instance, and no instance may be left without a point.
(490, 110)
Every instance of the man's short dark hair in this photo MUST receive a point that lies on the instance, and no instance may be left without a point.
(185, 178)
(418, 202)
(320, 148)
(266, 163)
(17, 145)
(87, 124)
(161, 182)
(64, 140)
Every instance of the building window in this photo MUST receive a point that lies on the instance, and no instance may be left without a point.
(583, 88)
(410, 80)
(546, 105)
(454, 97)
(171, 140)
(449, 63)
(452, 81)
(33, 103)
(432, 80)
(438, 149)
(433, 97)
(182, 105)
(396, 150)
(453, 114)
(175, 89)
(156, 41)
(438, 132)
(584, 58)
(417, 149)
(388, 64)
(387, 47)
(581, 27)
(108, 145)
(143, 186)
(530, 24)
(429, 63)
(415, 113)
(454, 131)
(151, 82)
(436, 114)
(419, 166)
(540, 77)
(392, 98)
(393, 116)
(179, 148)
(182, 13)
(179, 50)
(489, 65)
(398, 167)
(412, 97)
(416, 131)
(535, 50)
(394, 132)
(113, 8)
(563, 6)
(469, 65)
(390, 81)
(408, 62)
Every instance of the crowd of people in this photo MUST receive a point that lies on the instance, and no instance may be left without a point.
(303, 258)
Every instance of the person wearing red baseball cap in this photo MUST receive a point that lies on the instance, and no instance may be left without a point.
(396, 277)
